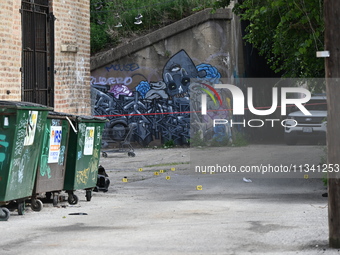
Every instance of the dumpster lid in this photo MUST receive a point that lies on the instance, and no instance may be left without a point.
(61, 115)
(86, 118)
(75, 118)
(23, 105)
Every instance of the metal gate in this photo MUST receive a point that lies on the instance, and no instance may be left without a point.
(37, 52)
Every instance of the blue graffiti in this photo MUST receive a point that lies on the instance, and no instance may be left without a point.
(119, 67)
(143, 87)
(3, 144)
(210, 72)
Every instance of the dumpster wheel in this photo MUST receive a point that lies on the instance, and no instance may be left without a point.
(36, 205)
(21, 208)
(4, 215)
(72, 199)
(55, 200)
(88, 195)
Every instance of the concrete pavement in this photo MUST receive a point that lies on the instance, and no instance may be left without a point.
(179, 212)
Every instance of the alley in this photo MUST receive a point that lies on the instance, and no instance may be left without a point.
(157, 205)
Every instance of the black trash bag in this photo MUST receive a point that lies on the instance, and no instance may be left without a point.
(103, 182)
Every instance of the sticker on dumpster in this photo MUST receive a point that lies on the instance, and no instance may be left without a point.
(31, 127)
(89, 141)
(55, 142)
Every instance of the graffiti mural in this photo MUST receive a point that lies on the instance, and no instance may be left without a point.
(158, 109)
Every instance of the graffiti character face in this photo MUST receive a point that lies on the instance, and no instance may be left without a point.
(177, 73)
(177, 81)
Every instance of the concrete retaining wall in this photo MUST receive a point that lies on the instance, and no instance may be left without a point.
(151, 73)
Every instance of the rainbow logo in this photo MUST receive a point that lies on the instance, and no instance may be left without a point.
(213, 95)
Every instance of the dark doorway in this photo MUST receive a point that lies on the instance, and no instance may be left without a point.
(37, 52)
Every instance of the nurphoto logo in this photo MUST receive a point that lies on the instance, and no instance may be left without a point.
(238, 105)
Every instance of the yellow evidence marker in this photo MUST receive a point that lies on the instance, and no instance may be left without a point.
(140, 169)
(156, 173)
(168, 177)
(173, 169)
(161, 171)
(305, 176)
(125, 179)
(199, 187)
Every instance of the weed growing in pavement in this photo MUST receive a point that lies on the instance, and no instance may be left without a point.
(221, 142)
(169, 144)
(197, 140)
(239, 139)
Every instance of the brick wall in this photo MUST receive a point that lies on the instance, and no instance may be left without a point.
(72, 77)
(10, 50)
(72, 56)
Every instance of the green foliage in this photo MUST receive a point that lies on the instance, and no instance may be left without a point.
(98, 37)
(219, 142)
(287, 33)
(239, 139)
(169, 144)
(196, 140)
(107, 14)
(221, 4)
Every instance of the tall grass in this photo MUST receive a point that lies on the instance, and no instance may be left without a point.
(106, 14)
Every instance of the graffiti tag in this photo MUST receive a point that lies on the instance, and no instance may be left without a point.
(111, 80)
(120, 67)
(83, 176)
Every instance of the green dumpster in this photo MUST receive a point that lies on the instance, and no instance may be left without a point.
(83, 156)
(52, 160)
(21, 132)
